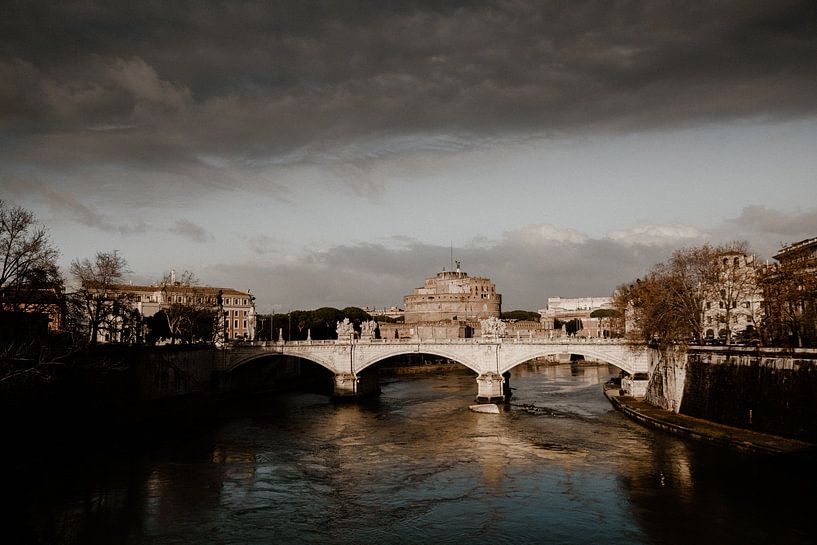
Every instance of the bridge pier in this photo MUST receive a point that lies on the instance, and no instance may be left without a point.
(492, 388)
(348, 385)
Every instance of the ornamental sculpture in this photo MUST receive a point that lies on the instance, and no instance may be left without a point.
(492, 327)
(345, 329)
(367, 329)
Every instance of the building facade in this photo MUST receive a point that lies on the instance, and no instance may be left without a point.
(790, 296)
(735, 306)
(562, 310)
(452, 296)
(236, 316)
(449, 305)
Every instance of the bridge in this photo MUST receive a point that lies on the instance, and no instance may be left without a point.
(490, 358)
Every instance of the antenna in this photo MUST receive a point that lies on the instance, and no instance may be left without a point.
(452, 255)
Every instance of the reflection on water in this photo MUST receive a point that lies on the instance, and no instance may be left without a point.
(556, 466)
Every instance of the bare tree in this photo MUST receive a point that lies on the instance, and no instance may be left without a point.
(668, 305)
(29, 259)
(737, 291)
(188, 306)
(99, 299)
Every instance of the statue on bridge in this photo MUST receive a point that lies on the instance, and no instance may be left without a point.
(345, 329)
(367, 329)
(492, 327)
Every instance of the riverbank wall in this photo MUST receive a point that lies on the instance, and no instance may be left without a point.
(761, 389)
(107, 390)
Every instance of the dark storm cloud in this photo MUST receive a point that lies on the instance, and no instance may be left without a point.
(160, 86)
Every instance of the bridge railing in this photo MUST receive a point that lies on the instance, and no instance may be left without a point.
(414, 341)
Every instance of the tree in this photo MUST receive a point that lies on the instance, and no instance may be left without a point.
(29, 261)
(188, 309)
(737, 291)
(573, 326)
(98, 302)
(668, 305)
(521, 315)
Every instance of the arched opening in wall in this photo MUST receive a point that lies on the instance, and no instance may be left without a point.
(278, 373)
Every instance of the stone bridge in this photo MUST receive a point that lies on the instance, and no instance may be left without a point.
(490, 359)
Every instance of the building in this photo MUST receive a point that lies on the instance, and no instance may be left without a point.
(735, 306)
(453, 295)
(25, 304)
(237, 308)
(560, 311)
(392, 312)
(447, 306)
(803, 250)
(790, 296)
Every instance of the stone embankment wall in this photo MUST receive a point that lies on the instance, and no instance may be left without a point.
(173, 371)
(765, 390)
(667, 379)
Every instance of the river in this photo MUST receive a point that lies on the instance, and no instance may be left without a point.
(414, 465)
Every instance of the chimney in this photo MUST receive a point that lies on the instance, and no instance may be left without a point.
(172, 276)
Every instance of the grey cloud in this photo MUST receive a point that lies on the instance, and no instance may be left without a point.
(380, 274)
(762, 219)
(187, 229)
(255, 81)
(528, 264)
(768, 229)
(67, 204)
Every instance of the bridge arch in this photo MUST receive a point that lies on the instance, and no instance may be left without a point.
(310, 357)
(373, 360)
(617, 358)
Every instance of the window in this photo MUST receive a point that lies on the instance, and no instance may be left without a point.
(708, 305)
(245, 324)
(138, 298)
(235, 313)
(235, 324)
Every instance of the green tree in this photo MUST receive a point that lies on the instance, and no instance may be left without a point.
(521, 315)
(573, 326)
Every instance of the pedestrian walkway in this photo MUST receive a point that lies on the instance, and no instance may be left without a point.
(704, 430)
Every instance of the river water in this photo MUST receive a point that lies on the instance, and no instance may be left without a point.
(558, 465)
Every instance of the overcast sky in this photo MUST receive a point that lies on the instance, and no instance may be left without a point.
(332, 153)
